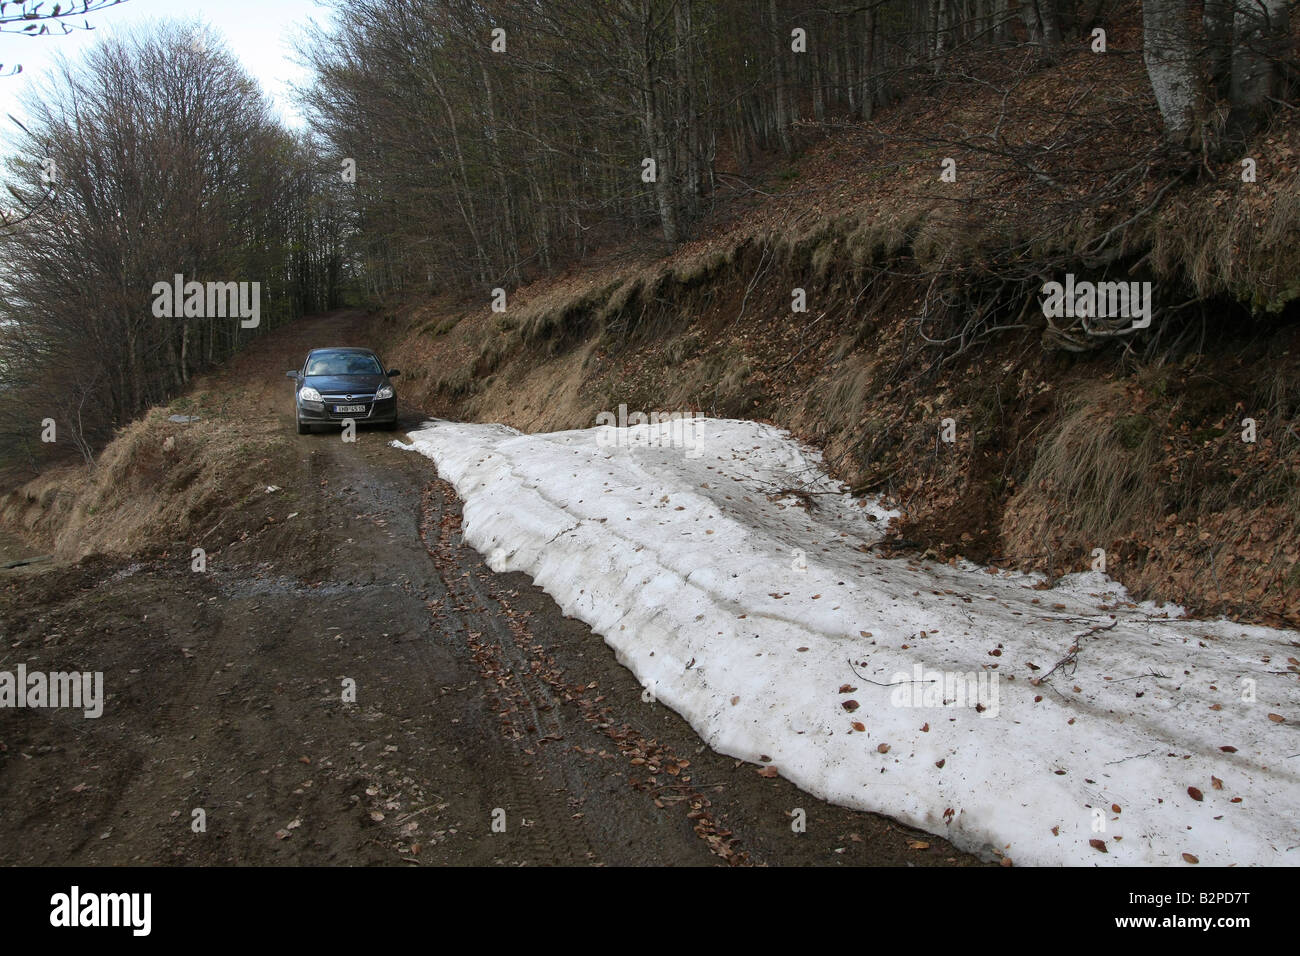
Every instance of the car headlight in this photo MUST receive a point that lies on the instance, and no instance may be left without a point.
(385, 392)
(308, 394)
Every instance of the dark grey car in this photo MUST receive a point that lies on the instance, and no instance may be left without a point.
(335, 385)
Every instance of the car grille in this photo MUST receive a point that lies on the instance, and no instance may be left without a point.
(366, 400)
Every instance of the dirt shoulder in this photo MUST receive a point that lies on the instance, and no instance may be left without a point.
(225, 692)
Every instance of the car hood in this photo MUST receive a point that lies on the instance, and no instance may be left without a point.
(345, 384)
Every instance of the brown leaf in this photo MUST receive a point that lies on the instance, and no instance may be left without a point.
(1195, 794)
(1190, 859)
(1099, 845)
(883, 748)
(1216, 783)
(859, 727)
(1276, 718)
(768, 772)
(850, 705)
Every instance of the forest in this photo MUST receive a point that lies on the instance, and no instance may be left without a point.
(465, 146)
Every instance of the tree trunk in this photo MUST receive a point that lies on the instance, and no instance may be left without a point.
(1261, 34)
(782, 94)
(1167, 52)
(869, 66)
(1044, 29)
(1217, 21)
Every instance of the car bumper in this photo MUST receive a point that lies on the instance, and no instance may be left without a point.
(383, 411)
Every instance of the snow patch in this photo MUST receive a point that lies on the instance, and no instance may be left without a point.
(738, 584)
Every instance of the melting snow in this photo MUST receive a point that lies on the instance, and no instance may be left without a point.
(762, 619)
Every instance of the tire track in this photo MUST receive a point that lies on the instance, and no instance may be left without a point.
(528, 711)
(529, 681)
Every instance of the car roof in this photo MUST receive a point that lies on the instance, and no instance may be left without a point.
(349, 349)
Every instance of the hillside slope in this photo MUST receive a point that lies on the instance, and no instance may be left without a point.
(923, 304)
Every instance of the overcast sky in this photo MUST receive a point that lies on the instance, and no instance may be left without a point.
(260, 32)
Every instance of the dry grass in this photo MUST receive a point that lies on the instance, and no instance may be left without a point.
(1094, 477)
(154, 484)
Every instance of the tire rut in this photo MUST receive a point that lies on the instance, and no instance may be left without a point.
(528, 711)
(528, 680)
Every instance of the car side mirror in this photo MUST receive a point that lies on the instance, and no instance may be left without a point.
(392, 373)
(290, 374)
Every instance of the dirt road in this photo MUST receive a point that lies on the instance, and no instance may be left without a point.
(347, 683)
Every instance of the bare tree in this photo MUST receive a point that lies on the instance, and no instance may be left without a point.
(168, 162)
(1261, 50)
(1167, 52)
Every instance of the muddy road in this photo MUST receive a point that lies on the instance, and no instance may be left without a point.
(347, 683)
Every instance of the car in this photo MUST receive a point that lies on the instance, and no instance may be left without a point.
(341, 384)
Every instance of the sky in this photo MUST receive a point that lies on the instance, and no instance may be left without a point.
(259, 32)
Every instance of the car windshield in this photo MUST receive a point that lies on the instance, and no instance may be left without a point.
(343, 363)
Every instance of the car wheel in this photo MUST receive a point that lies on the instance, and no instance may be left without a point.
(303, 429)
(389, 426)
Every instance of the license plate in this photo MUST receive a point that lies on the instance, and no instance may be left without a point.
(340, 409)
